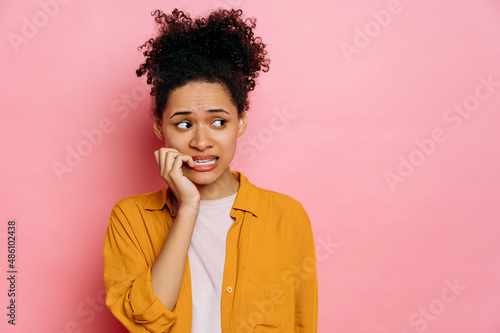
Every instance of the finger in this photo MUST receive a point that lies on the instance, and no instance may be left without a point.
(157, 157)
(181, 158)
(160, 159)
(163, 161)
(167, 156)
(169, 160)
(177, 165)
(190, 161)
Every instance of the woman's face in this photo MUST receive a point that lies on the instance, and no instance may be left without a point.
(200, 120)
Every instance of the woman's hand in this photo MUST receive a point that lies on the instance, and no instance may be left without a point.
(168, 269)
(170, 162)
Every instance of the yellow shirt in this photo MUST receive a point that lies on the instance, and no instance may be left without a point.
(269, 283)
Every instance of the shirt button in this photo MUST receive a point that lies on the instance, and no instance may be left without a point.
(229, 290)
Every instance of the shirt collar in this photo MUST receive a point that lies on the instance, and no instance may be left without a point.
(246, 197)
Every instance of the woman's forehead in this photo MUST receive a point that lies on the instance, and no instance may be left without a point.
(199, 96)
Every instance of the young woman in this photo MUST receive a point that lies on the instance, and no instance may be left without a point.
(210, 252)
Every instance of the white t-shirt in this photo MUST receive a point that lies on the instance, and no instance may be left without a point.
(207, 254)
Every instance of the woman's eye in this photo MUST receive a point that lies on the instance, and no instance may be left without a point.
(184, 125)
(219, 122)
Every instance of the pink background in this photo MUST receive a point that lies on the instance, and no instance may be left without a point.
(359, 119)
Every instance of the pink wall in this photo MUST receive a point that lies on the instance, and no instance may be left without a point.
(381, 117)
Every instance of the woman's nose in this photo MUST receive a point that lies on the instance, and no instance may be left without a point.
(201, 139)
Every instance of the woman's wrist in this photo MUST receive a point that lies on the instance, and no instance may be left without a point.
(188, 209)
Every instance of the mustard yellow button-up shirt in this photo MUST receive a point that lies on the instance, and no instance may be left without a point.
(269, 282)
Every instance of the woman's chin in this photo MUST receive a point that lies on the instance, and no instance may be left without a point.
(201, 178)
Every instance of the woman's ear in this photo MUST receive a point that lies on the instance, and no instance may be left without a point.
(242, 124)
(158, 129)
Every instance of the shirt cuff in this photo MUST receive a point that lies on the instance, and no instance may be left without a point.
(146, 307)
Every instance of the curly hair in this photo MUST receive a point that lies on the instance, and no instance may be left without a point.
(219, 49)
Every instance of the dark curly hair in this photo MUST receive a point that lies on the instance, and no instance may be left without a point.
(219, 49)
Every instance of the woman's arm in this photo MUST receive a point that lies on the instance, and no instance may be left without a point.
(168, 269)
(142, 292)
(306, 283)
(127, 272)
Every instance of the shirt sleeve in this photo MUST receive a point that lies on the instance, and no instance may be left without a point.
(127, 277)
(306, 281)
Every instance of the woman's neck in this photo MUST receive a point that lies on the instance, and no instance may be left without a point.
(223, 187)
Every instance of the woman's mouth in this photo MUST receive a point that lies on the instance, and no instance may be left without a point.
(205, 163)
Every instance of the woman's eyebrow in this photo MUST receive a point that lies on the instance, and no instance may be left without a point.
(188, 112)
(218, 110)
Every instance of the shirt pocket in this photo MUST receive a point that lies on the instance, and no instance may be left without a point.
(267, 300)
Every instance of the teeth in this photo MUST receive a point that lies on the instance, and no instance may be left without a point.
(205, 162)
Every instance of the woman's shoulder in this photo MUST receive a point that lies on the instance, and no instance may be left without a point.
(144, 201)
(279, 210)
(278, 196)
(261, 199)
(138, 212)
(277, 201)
